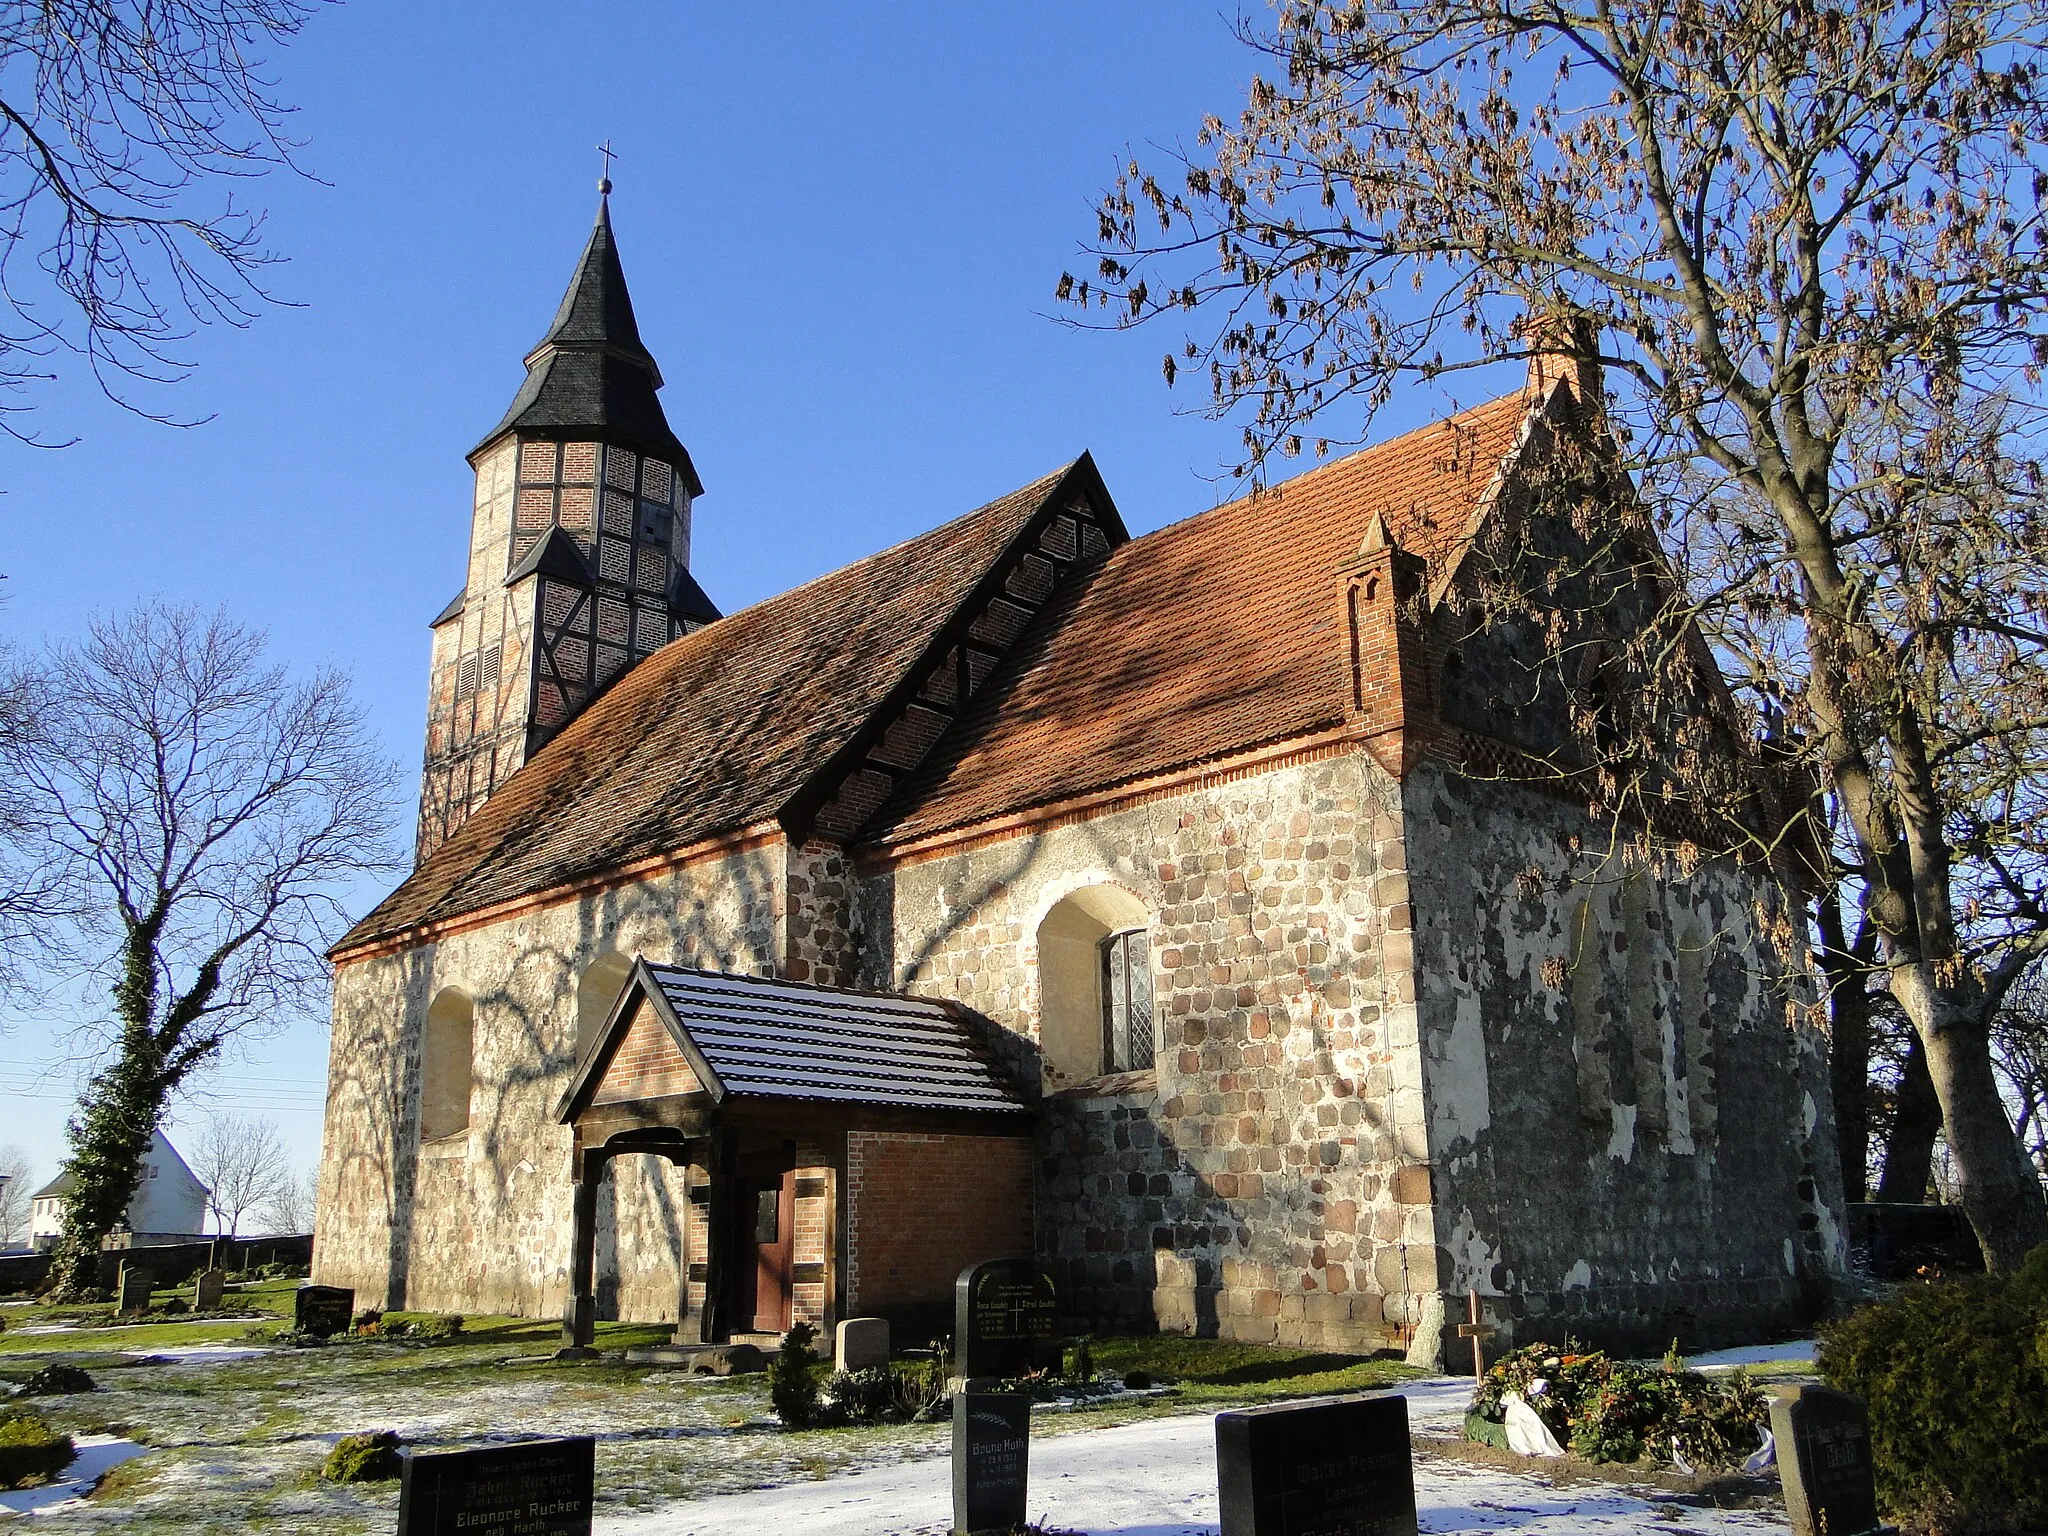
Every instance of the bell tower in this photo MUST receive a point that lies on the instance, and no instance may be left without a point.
(579, 548)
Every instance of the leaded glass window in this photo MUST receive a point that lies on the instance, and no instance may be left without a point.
(1127, 1002)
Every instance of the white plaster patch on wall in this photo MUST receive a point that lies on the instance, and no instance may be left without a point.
(1791, 1263)
(1459, 1094)
(1809, 1113)
(1621, 1139)
(1579, 1277)
(1472, 1257)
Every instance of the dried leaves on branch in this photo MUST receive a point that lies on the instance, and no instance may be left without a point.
(119, 122)
(1792, 261)
(206, 813)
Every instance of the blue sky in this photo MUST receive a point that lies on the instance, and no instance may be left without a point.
(842, 227)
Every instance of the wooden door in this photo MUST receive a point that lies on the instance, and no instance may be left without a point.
(766, 1249)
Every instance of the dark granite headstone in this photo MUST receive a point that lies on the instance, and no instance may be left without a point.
(1005, 1318)
(207, 1290)
(1824, 1462)
(991, 1460)
(533, 1488)
(1336, 1466)
(132, 1289)
(323, 1309)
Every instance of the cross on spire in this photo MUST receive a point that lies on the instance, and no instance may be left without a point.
(604, 180)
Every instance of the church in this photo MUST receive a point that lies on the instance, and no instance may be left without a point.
(1028, 887)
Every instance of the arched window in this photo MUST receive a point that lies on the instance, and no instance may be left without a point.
(1128, 1043)
(1095, 986)
(446, 1065)
(603, 980)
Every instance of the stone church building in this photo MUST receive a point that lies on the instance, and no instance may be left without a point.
(1031, 887)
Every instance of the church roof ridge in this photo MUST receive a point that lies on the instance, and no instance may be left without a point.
(717, 730)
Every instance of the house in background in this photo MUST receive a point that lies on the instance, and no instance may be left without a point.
(169, 1204)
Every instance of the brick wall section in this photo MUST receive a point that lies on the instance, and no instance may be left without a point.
(921, 1208)
(647, 1065)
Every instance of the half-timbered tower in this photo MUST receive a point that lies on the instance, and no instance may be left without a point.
(579, 548)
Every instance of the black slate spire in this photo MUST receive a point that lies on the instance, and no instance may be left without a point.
(591, 374)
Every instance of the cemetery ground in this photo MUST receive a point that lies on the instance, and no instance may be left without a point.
(225, 1431)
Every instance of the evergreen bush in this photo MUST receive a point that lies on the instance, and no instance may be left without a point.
(364, 1458)
(1956, 1376)
(30, 1451)
(793, 1378)
(58, 1381)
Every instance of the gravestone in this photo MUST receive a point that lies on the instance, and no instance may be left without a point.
(533, 1488)
(207, 1290)
(1005, 1319)
(860, 1342)
(132, 1289)
(1824, 1462)
(324, 1310)
(991, 1460)
(1329, 1467)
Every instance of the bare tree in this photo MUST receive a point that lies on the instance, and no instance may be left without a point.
(243, 1164)
(1759, 236)
(119, 120)
(289, 1209)
(15, 1194)
(208, 812)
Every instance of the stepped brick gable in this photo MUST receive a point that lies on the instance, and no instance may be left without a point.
(1170, 908)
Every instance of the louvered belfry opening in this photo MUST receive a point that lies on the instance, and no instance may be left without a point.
(847, 1153)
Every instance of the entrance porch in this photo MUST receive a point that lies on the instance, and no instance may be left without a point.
(847, 1153)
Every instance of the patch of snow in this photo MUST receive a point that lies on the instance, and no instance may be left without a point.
(203, 1354)
(97, 1456)
(29, 1328)
(1156, 1478)
(1800, 1350)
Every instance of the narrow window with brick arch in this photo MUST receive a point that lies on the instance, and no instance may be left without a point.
(1128, 1042)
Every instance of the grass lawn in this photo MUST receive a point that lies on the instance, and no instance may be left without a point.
(236, 1445)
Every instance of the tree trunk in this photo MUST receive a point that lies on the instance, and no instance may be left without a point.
(1848, 1047)
(1916, 1122)
(2001, 1196)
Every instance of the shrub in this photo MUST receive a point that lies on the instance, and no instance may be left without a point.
(366, 1320)
(365, 1458)
(427, 1327)
(1612, 1410)
(1082, 1365)
(1956, 1376)
(793, 1378)
(861, 1397)
(58, 1381)
(31, 1451)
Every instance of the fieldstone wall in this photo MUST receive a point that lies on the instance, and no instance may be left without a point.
(1263, 1181)
(1628, 1110)
(479, 1222)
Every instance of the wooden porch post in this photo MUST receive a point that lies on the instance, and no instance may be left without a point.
(718, 1218)
(579, 1323)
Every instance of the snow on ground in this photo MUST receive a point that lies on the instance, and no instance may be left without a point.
(197, 1354)
(1798, 1351)
(1158, 1478)
(97, 1456)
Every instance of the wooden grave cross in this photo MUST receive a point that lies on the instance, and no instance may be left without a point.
(1475, 1328)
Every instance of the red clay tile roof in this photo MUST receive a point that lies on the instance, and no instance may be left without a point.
(1207, 638)
(715, 731)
